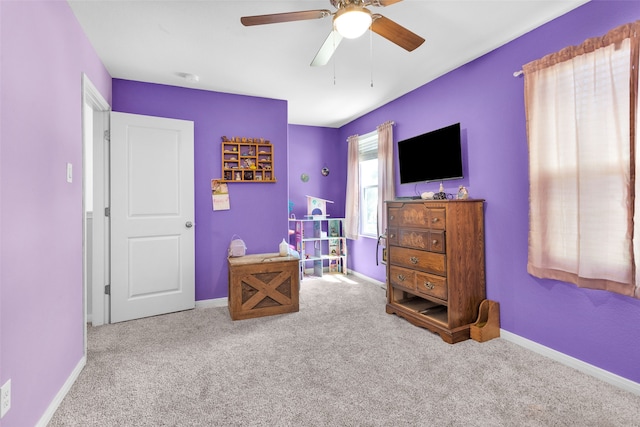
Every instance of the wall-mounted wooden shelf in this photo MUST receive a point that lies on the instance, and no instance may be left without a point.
(247, 160)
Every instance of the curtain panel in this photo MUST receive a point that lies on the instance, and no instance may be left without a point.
(386, 188)
(581, 111)
(352, 208)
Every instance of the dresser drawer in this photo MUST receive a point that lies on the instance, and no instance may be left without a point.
(432, 285)
(428, 240)
(412, 258)
(436, 241)
(437, 218)
(393, 216)
(402, 277)
(414, 238)
(392, 236)
(417, 215)
(413, 215)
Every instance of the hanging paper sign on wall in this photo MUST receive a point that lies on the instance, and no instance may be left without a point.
(219, 195)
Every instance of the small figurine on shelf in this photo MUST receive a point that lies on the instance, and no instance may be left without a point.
(238, 176)
(440, 195)
(249, 163)
(463, 193)
(250, 152)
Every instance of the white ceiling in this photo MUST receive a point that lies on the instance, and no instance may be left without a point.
(159, 40)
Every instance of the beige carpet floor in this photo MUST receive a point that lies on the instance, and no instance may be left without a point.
(340, 361)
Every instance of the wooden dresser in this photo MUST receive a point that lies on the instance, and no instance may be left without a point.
(263, 285)
(435, 264)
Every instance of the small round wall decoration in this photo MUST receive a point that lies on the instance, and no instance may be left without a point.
(325, 171)
(304, 177)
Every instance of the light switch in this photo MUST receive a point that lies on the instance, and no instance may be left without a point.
(69, 172)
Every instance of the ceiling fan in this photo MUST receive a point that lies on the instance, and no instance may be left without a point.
(351, 20)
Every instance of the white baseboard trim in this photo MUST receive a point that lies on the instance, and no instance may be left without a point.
(57, 400)
(215, 302)
(594, 371)
(369, 279)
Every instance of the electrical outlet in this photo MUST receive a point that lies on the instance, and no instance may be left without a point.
(5, 398)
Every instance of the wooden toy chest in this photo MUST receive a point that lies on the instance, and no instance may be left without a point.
(263, 285)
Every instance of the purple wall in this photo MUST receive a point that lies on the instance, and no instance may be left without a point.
(598, 327)
(311, 149)
(258, 211)
(44, 53)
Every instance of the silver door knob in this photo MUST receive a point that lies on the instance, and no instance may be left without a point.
(189, 224)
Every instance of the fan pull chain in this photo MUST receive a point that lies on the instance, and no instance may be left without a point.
(371, 53)
(334, 57)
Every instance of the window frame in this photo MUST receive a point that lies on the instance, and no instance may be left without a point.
(367, 151)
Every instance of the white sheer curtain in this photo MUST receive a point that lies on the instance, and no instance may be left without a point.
(581, 116)
(352, 208)
(386, 188)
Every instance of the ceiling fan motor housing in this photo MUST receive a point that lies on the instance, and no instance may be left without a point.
(352, 21)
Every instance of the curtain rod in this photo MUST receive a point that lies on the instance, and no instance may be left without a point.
(518, 73)
(390, 121)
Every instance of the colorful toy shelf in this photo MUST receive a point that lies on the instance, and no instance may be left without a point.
(321, 244)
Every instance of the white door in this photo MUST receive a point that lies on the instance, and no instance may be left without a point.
(152, 213)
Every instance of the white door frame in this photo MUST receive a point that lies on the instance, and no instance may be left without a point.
(92, 98)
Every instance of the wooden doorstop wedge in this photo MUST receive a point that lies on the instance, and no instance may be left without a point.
(488, 324)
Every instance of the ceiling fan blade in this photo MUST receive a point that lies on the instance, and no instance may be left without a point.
(326, 51)
(284, 17)
(395, 33)
(383, 2)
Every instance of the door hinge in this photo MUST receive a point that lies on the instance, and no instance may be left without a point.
(107, 290)
(107, 135)
(107, 211)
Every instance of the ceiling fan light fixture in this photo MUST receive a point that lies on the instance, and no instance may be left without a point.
(352, 21)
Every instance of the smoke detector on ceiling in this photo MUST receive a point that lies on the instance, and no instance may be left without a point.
(192, 78)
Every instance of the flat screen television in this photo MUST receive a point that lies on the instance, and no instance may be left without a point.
(432, 156)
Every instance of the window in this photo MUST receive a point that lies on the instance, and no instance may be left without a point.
(369, 182)
(368, 170)
(581, 115)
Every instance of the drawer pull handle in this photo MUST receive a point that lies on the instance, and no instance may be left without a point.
(401, 277)
(413, 260)
(435, 242)
(429, 285)
(392, 236)
(391, 217)
(434, 220)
